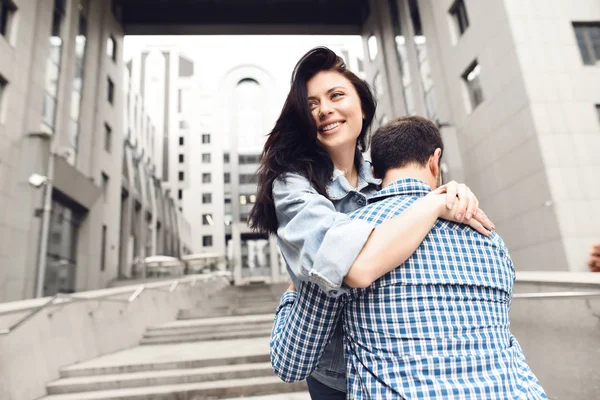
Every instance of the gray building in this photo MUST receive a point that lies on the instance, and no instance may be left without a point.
(515, 87)
(62, 152)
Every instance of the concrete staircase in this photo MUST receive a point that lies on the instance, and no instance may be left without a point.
(218, 350)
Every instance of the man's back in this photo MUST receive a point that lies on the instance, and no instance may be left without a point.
(437, 327)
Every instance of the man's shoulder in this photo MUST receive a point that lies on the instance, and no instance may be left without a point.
(383, 209)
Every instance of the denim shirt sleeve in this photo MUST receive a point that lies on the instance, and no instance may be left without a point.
(304, 323)
(318, 243)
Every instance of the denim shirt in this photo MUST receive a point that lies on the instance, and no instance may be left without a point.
(319, 243)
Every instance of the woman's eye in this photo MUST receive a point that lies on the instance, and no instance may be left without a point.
(336, 94)
(312, 106)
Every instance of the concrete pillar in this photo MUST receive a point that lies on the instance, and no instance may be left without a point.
(236, 243)
(274, 259)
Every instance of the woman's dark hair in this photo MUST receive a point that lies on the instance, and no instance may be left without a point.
(292, 144)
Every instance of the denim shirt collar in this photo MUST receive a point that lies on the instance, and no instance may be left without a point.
(339, 187)
(402, 187)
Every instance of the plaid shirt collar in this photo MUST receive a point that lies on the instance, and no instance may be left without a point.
(402, 187)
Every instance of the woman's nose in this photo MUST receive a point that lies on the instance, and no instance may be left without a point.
(325, 110)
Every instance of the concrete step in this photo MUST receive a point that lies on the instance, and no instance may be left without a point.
(196, 391)
(207, 336)
(225, 322)
(207, 329)
(285, 396)
(170, 357)
(227, 311)
(159, 378)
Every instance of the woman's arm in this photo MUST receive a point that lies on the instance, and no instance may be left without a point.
(318, 243)
(322, 245)
(304, 323)
(395, 240)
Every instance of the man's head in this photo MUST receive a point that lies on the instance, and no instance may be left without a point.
(408, 147)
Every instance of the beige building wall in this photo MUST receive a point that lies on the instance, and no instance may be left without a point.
(527, 149)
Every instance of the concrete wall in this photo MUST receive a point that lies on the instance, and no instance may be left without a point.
(563, 94)
(32, 355)
(560, 336)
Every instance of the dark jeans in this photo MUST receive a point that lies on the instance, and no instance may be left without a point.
(319, 391)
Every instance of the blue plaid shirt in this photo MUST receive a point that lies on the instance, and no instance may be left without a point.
(437, 327)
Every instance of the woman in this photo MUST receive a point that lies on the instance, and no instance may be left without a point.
(312, 173)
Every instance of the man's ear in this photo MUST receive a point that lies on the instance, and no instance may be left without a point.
(434, 162)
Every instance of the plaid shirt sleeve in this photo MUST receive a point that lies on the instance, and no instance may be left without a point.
(304, 323)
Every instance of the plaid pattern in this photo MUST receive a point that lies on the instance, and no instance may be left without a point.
(437, 327)
(304, 322)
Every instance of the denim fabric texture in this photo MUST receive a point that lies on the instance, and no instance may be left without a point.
(319, 243)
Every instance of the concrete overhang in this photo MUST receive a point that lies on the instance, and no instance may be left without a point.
(240, 17)
(74, 184)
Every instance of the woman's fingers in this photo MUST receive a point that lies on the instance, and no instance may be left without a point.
(464, 198)
(483, 219)
(451, 191)
(473, 223)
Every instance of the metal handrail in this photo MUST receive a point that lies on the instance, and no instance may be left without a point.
(554, 295)
(66, 299)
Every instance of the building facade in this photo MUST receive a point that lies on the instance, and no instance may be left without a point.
(62, 153)
(515, 88)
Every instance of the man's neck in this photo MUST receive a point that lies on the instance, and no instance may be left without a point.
(415, 172)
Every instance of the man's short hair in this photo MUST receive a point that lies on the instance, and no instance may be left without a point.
(404, 141)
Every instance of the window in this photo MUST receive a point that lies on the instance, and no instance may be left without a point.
(111, 91)
(372, 46)
(249, 158)
(378, 85)
(598, 111)
(103, 249)
(181, 140)
(181, 158)
(111, 48)
(588, 40)
(206, 178)
(181, 176)
(3, 85)
(180, 194)
(458, 11)
(53, 64)
(183, 124)
(471, 78)
(247, 178)
(227, 177)
(179, 94)
(7, 12)
(206, 138)
(107, 137)
(226, 158)
(227, 198)
(105, 180)
(207, 219)
(207, 241)
(206, 158)
(206, 198)
(243, 200)
(252, 198)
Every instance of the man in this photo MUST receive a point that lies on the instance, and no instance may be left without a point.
(437, 326)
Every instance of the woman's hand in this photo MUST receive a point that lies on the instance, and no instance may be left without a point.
(462, 206)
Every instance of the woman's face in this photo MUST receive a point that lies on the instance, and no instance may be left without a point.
(336, 109)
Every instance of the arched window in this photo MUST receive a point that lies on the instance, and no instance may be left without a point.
(249, 110)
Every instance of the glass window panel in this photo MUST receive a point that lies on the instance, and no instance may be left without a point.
(49, 110)
(581, 42)
(51, 80)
